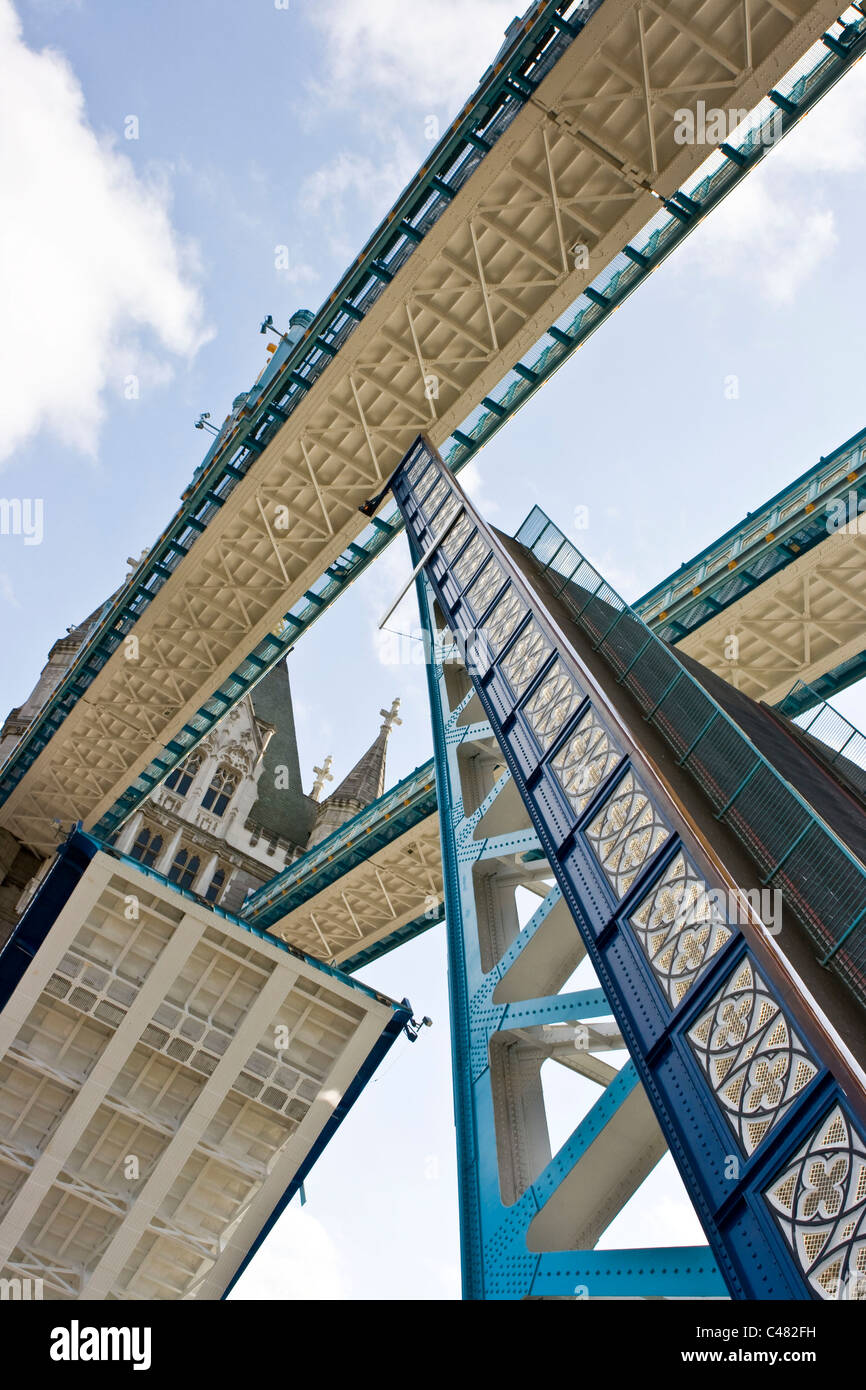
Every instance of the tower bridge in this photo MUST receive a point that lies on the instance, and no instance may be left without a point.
(621, 765)
(465, 299)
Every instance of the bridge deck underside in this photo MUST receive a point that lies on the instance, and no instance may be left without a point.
(585, 162)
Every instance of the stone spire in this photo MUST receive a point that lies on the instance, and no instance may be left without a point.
(323, 775)
(362, 785)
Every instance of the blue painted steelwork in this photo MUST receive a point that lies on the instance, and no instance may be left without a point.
(801, 516)
(298, 363)
(497, 1262)
(733, 1174)
(826, 686)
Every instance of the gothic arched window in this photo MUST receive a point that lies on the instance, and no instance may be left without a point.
(184, 869)
(215, 886)
(181, 778)
(146, 848)
(221, 790)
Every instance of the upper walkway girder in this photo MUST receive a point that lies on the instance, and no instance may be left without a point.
(586, 159)
(788, 583)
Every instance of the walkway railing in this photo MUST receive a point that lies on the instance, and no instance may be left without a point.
(821, 880)
(844, 745)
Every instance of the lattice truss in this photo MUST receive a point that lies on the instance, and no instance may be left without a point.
(796, 625)
(583, 164)
(160, 1080)
(522, 1014)
(392, 888)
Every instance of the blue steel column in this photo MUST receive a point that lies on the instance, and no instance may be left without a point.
(763, 1113)
(496, 1259)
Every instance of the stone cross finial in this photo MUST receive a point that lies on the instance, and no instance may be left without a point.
(390, 716)
(323, 775)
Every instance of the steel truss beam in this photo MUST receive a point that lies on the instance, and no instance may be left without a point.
(342, 428)
(755, 1093)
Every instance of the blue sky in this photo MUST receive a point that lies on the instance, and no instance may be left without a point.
(261, 127)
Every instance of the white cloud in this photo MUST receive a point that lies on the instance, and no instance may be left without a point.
(92, 273)
(7, 593)
(433, 60)
(775, 231)
(764, 235)
(398, 643)
(474, 484)
(298, 1260)
(301, 274)
(331, 197)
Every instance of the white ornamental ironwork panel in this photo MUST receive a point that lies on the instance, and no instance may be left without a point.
(679, 928)
(819, 1200)
(553, 703)
(456, 538)
(585, 760)
(465, 567)
(486, 586)
(625, 833)
(436, 495)
(525, 658)
(444, 515)
(752, 1057)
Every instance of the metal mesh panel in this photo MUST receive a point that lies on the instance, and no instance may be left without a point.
(827, 885)
(651, 675)
(768, 818)
(624, 642)
(720, 762)
(683, 715)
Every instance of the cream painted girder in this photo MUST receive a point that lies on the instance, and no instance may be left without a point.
(796, 625)
(387, 891)
(584, 162)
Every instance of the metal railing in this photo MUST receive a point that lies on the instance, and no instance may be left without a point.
(823, 883)
(844, 745)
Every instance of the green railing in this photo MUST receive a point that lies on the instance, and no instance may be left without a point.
(843, 745)
(822, 882)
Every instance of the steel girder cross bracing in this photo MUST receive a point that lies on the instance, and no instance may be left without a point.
(758, 1100)
(516, 1198)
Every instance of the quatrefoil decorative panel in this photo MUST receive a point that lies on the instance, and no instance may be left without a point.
(625, 833)
(553, 703)
(436, 495)
(751, 1056)
(444, 515)
(417, 471)
(585, 760)
(679, 928)
(455, 538)
(526, 656)
(465, 567)
(508, 612)
(819, 1201)
(488, 583)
